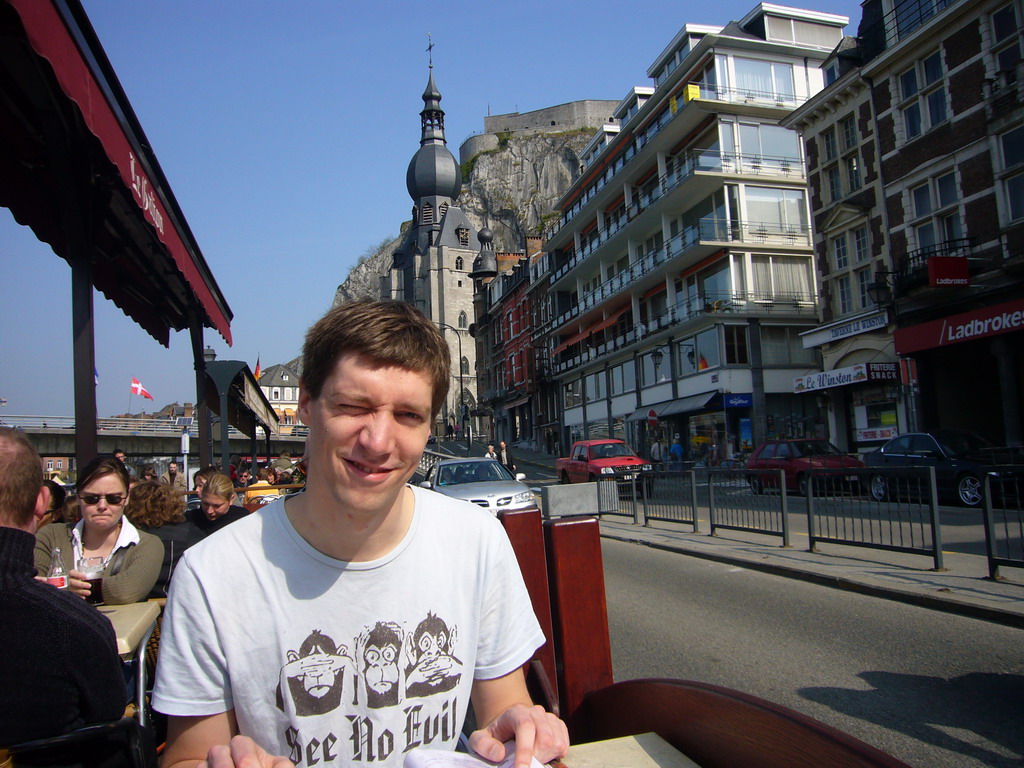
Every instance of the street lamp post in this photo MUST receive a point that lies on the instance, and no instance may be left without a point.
(462, 389)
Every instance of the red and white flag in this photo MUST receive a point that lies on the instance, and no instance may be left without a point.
(138, 389)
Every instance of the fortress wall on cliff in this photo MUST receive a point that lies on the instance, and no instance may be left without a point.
(575, 115)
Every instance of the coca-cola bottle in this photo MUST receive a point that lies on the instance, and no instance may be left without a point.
(58, 575)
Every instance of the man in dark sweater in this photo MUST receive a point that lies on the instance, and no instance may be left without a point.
(60, 667)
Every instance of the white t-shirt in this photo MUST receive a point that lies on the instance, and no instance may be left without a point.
(349, 664)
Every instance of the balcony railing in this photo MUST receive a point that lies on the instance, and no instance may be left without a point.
(905, 18)
(688, 308)
(918, 259)
(706, 161)
(708, 230)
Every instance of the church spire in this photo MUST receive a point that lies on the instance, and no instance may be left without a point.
(432, 116)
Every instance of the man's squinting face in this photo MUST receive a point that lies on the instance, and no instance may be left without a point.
(367, 431)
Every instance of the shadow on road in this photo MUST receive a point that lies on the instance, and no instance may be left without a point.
(961, 715)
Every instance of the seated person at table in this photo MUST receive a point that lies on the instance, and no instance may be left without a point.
(55, 510)
(61, 669)
(132, 558)
(262, 487)
(216, 507)
(159, 509)
(360, 618)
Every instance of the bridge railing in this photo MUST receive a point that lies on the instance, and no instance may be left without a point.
(124, 425)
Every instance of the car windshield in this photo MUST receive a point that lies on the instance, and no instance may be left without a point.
(610, 451)
(962, 443)
(472, 472)
(815, 448)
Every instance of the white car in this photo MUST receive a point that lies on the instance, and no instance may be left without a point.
(484, 482)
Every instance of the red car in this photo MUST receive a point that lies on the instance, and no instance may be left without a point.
(795, 457)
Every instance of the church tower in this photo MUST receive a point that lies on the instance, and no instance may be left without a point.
(431, 268)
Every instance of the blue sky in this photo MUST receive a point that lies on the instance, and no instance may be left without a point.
(284, 129)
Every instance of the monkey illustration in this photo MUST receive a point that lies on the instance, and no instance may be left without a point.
(432, 667)
(315, 675)
(378, 653)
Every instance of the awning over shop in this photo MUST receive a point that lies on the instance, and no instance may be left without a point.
(687, 404)
(76, 167)
(642, 414)
(72, 138)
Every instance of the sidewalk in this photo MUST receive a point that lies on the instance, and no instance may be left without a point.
(962, 588)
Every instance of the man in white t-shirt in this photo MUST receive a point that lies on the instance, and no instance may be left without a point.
(359, 619)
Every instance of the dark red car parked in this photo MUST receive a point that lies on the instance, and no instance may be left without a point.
(795, 457)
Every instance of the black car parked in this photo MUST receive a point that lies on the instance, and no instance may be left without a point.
(961, 460)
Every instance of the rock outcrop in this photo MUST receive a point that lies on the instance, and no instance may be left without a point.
(511, 188)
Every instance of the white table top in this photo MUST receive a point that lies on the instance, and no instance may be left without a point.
(648, 750)
(130, 622)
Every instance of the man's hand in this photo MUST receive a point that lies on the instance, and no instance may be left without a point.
(537, 734)
(243, 752)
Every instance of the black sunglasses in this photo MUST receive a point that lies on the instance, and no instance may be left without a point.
(113, 499)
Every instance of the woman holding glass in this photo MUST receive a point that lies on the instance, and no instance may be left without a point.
(129, 559)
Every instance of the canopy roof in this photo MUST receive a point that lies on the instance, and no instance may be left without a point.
(76, 167)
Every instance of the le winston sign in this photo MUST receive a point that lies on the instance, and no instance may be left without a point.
(861, 373)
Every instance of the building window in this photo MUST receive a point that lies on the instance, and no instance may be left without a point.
(1012, 145)
(287, 393)
(736, 352)
(462, 319)
(840, 259)
(60, 463)
(49, 465)
(428, 214)
(623, 378)
(571, 394)
(782, 345)
(284, 377)
(275, 393)
(861, 244)
(923, 96)
(443, 210)
(463, 234)
(842, 298)
(835, 183)
(853, 173)
(458, 263)
(864, 279)
(1007, 48)
(464, 366)
(595, 387)
(936, 212)
(828, 139)
(849, 128)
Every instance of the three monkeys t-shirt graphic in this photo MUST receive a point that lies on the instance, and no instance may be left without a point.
(385, 664)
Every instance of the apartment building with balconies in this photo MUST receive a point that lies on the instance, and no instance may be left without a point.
(682, 272)
(915, 154)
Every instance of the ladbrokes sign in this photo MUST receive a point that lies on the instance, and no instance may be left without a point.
(1002, 318)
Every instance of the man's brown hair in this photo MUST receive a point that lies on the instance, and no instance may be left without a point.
(21, 477)
(152, 504)
(386, 333)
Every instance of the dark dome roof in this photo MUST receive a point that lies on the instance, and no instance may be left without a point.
(433, 171)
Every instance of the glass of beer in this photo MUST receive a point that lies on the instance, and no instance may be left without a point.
(92, 568)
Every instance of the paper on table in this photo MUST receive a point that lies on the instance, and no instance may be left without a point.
(439, 758)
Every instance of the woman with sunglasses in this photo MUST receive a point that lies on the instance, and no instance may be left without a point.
(132, 558)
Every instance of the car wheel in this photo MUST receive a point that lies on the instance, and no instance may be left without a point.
(564, 479)
(803, 483)
(591, 478)
(969, 490)
(755, 484)
(879, 488)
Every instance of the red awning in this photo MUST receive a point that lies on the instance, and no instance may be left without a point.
(51, 39)
(611, 319)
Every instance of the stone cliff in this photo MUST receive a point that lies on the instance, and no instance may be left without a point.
(511, 188)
